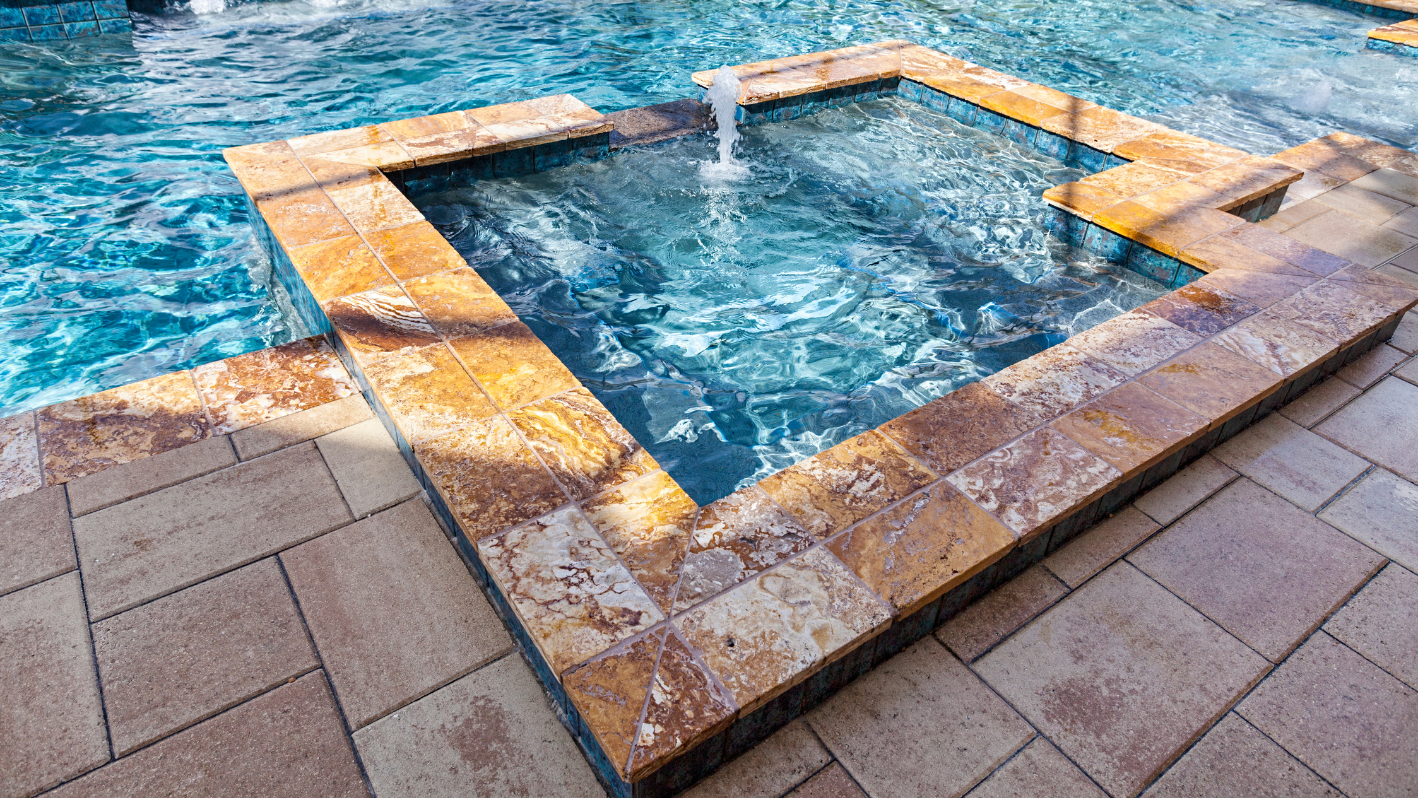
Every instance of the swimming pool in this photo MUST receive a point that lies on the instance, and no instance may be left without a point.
(126, 246)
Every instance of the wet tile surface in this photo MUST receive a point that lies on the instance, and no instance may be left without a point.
(1054, 381)
(1100, 546)
(1000, 612)
(1291, 461)
(1378, 623)
(250, 389)
(587, 450)
(1132, 427)
(1213, 382)
(734, 538)
(569, 590)
(648, 524)
(19, 456)
(959, 427)
(35, 539)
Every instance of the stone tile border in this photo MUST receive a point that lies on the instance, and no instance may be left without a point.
(1399, 38)
(51, 20)
(673, 637)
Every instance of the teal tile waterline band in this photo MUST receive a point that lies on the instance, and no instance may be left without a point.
(1365, 8)
(1392, 48)
(59, 20)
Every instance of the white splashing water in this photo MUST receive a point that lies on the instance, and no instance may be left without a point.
(1316, 99)
(723, 99)
(208, 6)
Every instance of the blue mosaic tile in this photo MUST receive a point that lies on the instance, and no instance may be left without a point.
(12, 18)
(110, 9)
(1185, 276)
(755, 114)
(911, 90)
(1053, 145)
(1065, 226)
(789, 108)
(426, 179)
(1392, 48)
(47, 33)
(938, 101)
(122, 25)
(1114, 161)
(77, 12)
(593, 148)
(1088, 158)
(1106, 244)
(514, 163)
(77, 30)
(557, 153)
(462, 174)
(1149, 262)
(1014, 130)
(985, 119)
(42, 15)
(962, 111)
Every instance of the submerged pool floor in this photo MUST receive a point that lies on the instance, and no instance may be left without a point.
(877, 256)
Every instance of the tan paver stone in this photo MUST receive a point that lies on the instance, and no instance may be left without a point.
(648, 523)
(1343, 717)
(1036, 481)
(1373, 207)
(427, 392)
(1097, 548)
(458, 303)
(1185, 490)
(1291, 461)
(1213, 382)
(1390, 183)
(178, 536)
(513, 365)
(288, 742)
(190, 655)
(1302, 209)
(491, 733)
(300, 427)
(770, 633)
(769, 768)
(1202, 309)
(566, 585)
(123, 482)
(1234, 759)
(1132, 427)
(1310, 186)
(260, 386)
(35, 539)
(959, 427)
(1278, 344)
(414, 250)
(1267, 572)
(1380, 624)
(1381, 425)
(19, 456)
(367, 467)
(1351, 237)
(832, 782)
(891, 726)
(1134, 342)
(1122, 676)
(393, 610)
(379, 323)
(1000, 612)
(1405, 222)
(1318, 402)
(736, 537)
(52, 723)
(1054, 381)
(1258, 288)
(1037, 771)
(1405, 338)
(587, 450)
(832, 490)
(1380, 511)
(1372, 367)
(914, 552)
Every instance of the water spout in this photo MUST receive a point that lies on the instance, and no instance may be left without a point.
(723, 99)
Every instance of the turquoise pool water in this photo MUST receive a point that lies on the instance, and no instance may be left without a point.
(125, 246)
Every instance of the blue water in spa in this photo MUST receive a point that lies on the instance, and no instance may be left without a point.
(125, 250)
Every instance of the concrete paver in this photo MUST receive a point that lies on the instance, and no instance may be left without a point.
(491, 733)
(368, 468)
(769, 769)
(996, 615)
(1380, 623)
(1381, 511)
(36, 542)
(1381, 425)
(187, 656)
(288, 742)
(1039, 771)
(1234, 759)
(393, 610)
(920, 724)
(1405, 338)
(300, 426)
(1351, 237)
(1291, 461)
(1372, 367)
(1185, 490)
(1262, 569)
(1097, 548)
(164, 541)
(1342, 716)
(832, 782)
(51, 719)
(1122, 676)
(123, 482)
(1316, 403)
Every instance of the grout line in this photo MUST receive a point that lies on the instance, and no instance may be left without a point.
(89, 632)
(1274, 742)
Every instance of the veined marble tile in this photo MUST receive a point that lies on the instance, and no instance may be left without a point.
(458, 303)
(1132, 427)
(1331, 309)
(686, 706)
(574, 597)
(832, 490)
(735, 538)
(648, 522)
(19, 456)
(86, 435)
(1212, 381)
(1134, 342)
(259, 386)
(609, 692)
(414, 250)
(489, 477)
(375, 206)
(427, 392)
(916, 551)
(513, 364)
(1277, 344)
(1054, 381)
(378, 323)
(966, 423)
(1036, 481)
(336, 268)
(770, 633)
(1201, 309)
(582, 443)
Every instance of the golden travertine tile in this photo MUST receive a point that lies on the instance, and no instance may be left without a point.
(514, 365)
(1054, 381)
(770, 633)
(1082, 199)
(1246, 179)
(832, 490)
(488, 477)
(1179, 197)
(1331, 309)
(457, 145)
(609, 693)
(572, 595)
(428, 125)
(339, 267)
(458, 303)
(1016, 106)
(1132, 427)
(1134, 342)
(736, 537)
(918, 62)
(1099, 127)
(387, 157)
(914, 552)
(648, 523)
(303, 217)
(86, 435)
(1132, 179)
(1036, 481)
(582, 443)
(1328, 157)
(1177, 146)
(1281, 346)
(427, 392)
(260, 386)
(1054, 97)
(19, 456)
(1201, 309)
(414, 250)
(686, 706)
(1212, 381)
(377, 323)
(375, 206)
(269, 176)
(349, 138)
(334, 174)
(964, 424)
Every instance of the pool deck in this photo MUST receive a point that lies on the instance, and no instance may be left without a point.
(173, 491)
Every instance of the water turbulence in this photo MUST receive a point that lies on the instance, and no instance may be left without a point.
(723, 99)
